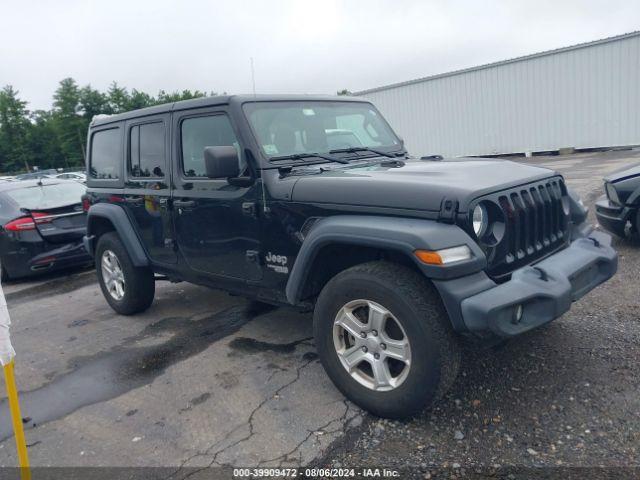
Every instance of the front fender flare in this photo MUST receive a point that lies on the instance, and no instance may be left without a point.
(403, 235)
(120, 221)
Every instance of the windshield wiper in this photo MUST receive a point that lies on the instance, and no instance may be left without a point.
(301, 156)
(363, 149)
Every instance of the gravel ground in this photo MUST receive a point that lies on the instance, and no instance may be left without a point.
(553, 403)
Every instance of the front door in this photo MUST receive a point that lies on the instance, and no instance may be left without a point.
(216, 223)
(147, 194)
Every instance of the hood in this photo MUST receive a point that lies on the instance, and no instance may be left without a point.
(623, 174)
(418, 185)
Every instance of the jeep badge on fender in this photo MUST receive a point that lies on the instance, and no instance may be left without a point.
(313, 202)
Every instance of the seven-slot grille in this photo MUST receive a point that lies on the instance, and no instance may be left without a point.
(535, 225)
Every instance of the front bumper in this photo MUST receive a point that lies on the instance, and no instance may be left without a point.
(544, 291)
(612, 217)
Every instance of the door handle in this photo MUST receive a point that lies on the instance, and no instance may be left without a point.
(184, 203)
(134, 200)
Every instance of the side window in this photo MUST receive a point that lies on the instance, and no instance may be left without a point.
(200, 132)
(106, 154)
(146, 150)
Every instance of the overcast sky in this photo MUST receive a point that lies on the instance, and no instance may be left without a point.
(302, 46)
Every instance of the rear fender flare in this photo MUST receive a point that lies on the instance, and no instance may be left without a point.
(122, 225)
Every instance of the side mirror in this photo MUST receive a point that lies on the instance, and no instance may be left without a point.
(221, 162)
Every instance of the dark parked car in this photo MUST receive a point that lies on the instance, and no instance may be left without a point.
(313, 202)
(618, 211)
(43, 223)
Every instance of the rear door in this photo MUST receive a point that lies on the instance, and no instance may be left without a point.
(147, 179)
(216, 223)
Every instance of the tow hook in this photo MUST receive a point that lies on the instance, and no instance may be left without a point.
(543, 275)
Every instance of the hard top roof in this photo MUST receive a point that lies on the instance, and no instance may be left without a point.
(217, 100)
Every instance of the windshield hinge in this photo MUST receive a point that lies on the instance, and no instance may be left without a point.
(448, 210)
(285, 170)
(249, 209)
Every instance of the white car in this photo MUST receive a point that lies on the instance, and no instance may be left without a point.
(77, 176)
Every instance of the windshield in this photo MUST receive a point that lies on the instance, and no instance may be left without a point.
(294, 128)
(48, 196)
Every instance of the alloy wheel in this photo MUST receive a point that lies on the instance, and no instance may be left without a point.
(372, 345)
(112, 275)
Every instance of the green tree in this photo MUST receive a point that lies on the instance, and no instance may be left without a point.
(42, 141)
(57, 138)
(92, 102)
(139, 99)
(118, 99)
(14, 125)
(164, 97)
(68, 122)
(344, 91)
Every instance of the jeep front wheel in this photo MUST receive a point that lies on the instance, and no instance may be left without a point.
(383, 338)
(128, 289)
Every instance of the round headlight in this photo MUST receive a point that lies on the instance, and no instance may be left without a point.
(480, 220)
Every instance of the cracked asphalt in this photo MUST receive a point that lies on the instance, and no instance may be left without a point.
(205, 379)
(200, 379)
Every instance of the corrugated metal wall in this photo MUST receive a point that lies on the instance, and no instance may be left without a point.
(585, 96)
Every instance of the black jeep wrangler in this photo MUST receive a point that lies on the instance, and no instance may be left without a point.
(313, 202)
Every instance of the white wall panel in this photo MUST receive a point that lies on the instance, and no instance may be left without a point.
(585, 96)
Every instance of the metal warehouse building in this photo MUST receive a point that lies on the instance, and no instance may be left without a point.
(584, 96)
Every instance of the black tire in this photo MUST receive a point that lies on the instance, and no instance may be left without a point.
(139, 283)
(416, 306)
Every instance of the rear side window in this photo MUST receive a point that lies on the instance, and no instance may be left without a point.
(200, 132)
(106, 154)
(48, 196)
(147, 150)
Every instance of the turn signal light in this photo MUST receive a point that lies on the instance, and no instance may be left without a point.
(444, 256)
(425, 256)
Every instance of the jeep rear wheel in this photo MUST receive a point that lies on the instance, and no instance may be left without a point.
(383, 337)
(128, 289)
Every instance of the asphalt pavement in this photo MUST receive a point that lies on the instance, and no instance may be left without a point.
(206, 379)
